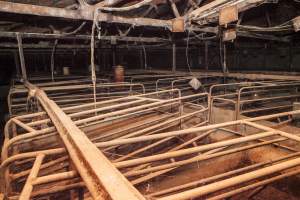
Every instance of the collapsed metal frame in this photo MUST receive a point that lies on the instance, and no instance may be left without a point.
(72, 92)
(144, 168)
(259, 94)
(48, 131)
(182, 83)
(134, 83)
(149, 80)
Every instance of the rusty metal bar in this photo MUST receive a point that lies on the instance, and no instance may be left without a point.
(27, 189)
(86, 157)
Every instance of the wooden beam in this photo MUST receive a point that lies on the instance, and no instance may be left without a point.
(262, 36)
(83, 37)
(85, 13)
(210, 12)
(174, 57)
(174, 8)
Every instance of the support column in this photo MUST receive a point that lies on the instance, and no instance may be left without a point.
(21, 54)
(206, 55)
(174, 57)
(114, 49)
(17, 64)
(141, 59)
(290, 57)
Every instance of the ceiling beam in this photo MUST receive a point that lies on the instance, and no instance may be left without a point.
(210, 12)
(83, 37)
(85, 13)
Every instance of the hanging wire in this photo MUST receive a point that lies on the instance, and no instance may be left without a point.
(93, 70)
(145, 55)
(52, 59)
(187, 52)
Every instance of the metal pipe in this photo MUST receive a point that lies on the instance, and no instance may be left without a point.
(28, 187)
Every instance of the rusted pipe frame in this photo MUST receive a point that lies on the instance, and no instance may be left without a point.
(49, 88)
(199, 129)
(201, 111)
(192, 150)
(23, 125)
(163, 79)
(49, 83)
(255, 185)
(73, 173)
(291, 149)
(212, 88)
(240, 102)
(84, 86)
(123, 98)
(265, 128)
(28, 187)
(170, 101)
(48, 152)
(158, 173)
(64, 175)
(85, 160)
(164, 123)
(52, 129)
(43, 166)
(4, 167)
(44, 178)
(35, 79)
(213, 187)
(144, 133)
(197, 159)
(220, 176)
(160, 141)
(16, 176)
(193, 130)
(48, 130)
(53, 190)
(143, 78)
(265, 109)
(177, 79)
(133, 128)
(55, 177)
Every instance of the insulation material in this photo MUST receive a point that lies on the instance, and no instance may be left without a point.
(195, 83)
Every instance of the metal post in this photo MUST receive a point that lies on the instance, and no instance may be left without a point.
(141, 59)
(21, 54)
(17, 63)
(206, 55)
(174, 58)
(114, 55)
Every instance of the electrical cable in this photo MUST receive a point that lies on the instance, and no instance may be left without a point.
(187, 53)
(145, 56)
(52, 59)
(93, 71)
(127, 8)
